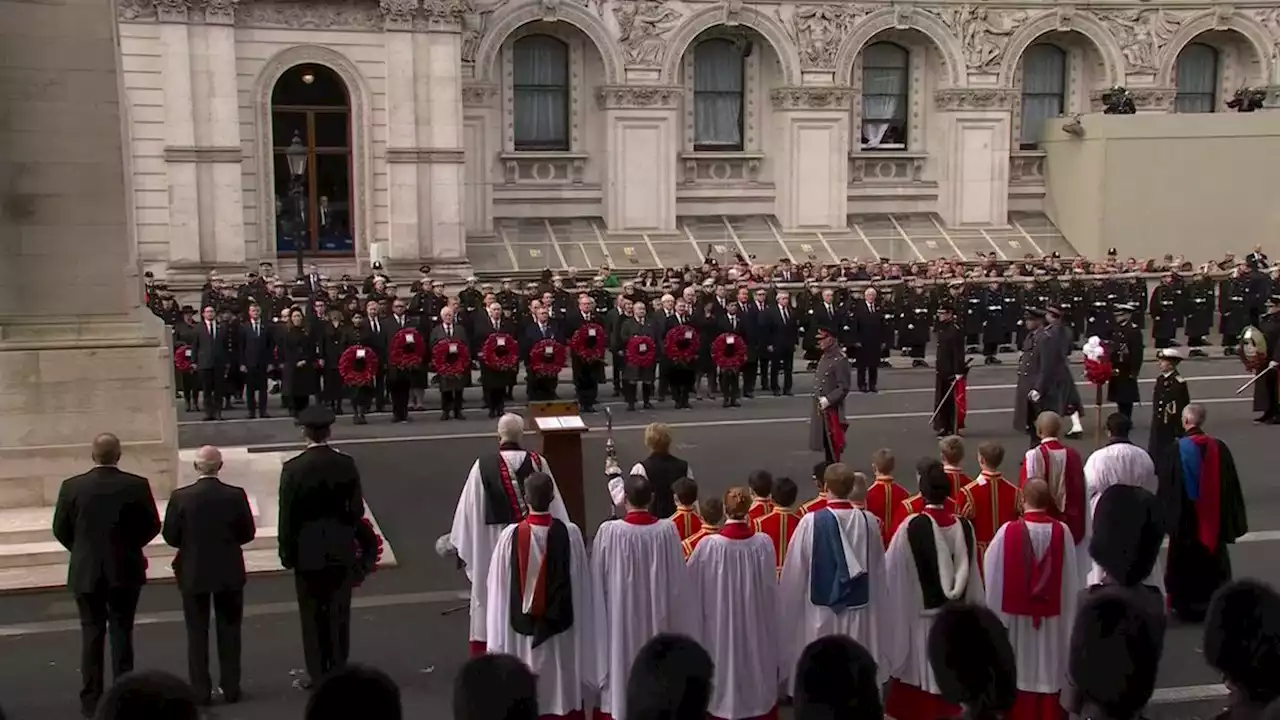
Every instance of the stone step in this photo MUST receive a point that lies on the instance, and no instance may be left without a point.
(23, 526)
(52, 553)
(31, 578)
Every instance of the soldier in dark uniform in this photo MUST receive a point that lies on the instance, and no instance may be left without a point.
(321, 507)
(891, 302)
(916, 319)
(1125, 349)
(1266, 392)
(994, 331)
(1198, 301)
(948, 365)
(1135, 288)
(973, 312)
(1167, 401)
(831, 384)
(1099, 303)
(1014, 294)
(470, 304)
(1233, 307)
(1164, 312)
(1025, 409)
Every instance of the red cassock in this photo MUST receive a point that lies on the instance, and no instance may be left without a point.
(780, 525)
(687, 522)
(958, 480)
(691, 543)
(989, 505)
(1062, 468)
(759, 508)
(885, 500)
(814, 505)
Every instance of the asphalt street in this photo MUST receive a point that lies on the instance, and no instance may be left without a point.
(414, 472)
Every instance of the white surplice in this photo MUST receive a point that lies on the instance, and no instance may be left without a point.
(737, 584)
(1119, 463)
(801, 622)
(644, 590)
(1041, 653)
(475, 540)
(565, 663)
(906, 635)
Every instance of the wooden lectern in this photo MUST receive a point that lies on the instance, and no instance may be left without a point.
(561, 427)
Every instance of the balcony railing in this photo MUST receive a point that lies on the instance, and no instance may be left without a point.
(887, 168)
(544, 168)
(1026, 167)
(721, 168)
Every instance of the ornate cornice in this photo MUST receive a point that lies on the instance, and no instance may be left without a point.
(172, 11)
(435, 156)
(613, 97)
(220, 12)
(479, 95)
(975, 99)
(398, 14)
(811, 98)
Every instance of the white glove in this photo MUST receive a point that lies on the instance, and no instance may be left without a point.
(1034, 395)
(611, 467)
(1273, 363)
(823, 403)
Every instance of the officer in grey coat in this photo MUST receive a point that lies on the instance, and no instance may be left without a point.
(827, 422)
(1029, 367)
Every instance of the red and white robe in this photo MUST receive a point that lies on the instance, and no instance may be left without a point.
(1032, 589)
(565, 663)
(1063, 469)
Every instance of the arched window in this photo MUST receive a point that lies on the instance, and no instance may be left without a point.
(884, 96)
(717, 95)
(1044, 86)
(311, 145)
(1197, 79)
(541, 93)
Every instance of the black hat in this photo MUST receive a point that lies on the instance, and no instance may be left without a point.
(1242, 638)
(1053, 310)
(1127, 532)
(1123, 308)
(187, 309)
(1035, 312)
(424, 269)
(1114, 625)
(316, 417)
(1112, 251)
(972, 659)
(377, 265)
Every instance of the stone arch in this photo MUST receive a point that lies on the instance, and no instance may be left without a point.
(1079, 23)
(508, 19)
(748, 16)
(889, 19)
(1241, 24)
(358, 95)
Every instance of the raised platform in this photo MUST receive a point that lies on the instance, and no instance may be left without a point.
(31, 559)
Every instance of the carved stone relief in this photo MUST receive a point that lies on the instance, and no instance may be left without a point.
(643, 26)
(398, 14)
(1142, 34)
(811, 98)
(474, 25)
(1270, 19)
(479, 95)
(172, 10)
(220, 12)
(818, 31)
(303, 15)
(983, 33)
(975, 99)
(638, 96)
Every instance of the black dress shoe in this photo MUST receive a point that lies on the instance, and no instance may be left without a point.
(648, 406)
(253, 415)
(457, 415)
(726, 402)
(444, 415)
(735, 403)
(777, 393)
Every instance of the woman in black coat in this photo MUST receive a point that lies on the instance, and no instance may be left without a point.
(707, 324)
(333, 343)
(298, 359)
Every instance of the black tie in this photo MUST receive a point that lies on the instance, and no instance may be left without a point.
(784, 316)
(448, 330)
(255, 329)
(733, 322)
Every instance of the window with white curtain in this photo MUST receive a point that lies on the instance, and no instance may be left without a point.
(884, 96)
(717, 95)
(540, 86)
(1044, 87)
(1197, 79)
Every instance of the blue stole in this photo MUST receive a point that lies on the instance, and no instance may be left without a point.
(1192, 463)
(829, 583)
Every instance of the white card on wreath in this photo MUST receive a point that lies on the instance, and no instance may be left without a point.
(591, 332)
(410, 339)
(453, 348)
(359, 353)
(501, 342)
(688, 334)
(644, 347)
(729, 340)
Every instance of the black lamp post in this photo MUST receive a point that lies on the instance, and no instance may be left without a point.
(297, 156)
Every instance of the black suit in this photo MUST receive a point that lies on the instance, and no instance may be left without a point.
(321, 504)
(540, 388)
(757, 315)
(213, 359)
(730, 383)
(783, 334)
(400, 382)
(869, 333)
(256, 355)
(587, 376)
(105, 517)
(380, 341)
(680, 378)
(208, 522)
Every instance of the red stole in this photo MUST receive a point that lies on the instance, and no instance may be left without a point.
(1032, 586)
(639, 517)
(1209, 504)
(524, 544)
(737, 530)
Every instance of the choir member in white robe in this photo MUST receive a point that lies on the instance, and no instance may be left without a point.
(492, 499)
(734, 573)
(833, 578)
(932, 561)
(1063, 470)
(541, 604)
(643, 586)
(1032, 589)
(1119, 462)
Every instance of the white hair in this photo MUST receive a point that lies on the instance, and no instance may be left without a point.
(510, 428)
(1194, 415)
(208, 460)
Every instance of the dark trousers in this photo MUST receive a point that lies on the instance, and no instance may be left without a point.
(495, 399)
(398, 389)
(1125, 409)
(664, 382)
(324, 606)
(298, 403)
(228, 611)
(763, 364)
(915, 352)
(105, 610)
(380, 392)
(730, 385)
(211, 382)
(749, 371)
(586, 388)
(1269, 383)
(782, 362)
(451, 401)
(541, 389)
(255, 390)
(868, 372)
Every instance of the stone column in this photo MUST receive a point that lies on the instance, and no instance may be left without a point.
(79, 355)
(180, 135)
(974, 186)
(221, 141)
(812, 166)
(402, 133)
(642, 145)
(440, 128)
(482, 142)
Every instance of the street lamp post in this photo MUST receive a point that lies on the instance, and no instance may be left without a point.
(297, 156)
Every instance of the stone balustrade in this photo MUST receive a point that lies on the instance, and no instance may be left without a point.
(1026, 167)
(544, 168)
(721, 168)
(887, 168)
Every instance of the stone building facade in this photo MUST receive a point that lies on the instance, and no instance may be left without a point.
(428, 123)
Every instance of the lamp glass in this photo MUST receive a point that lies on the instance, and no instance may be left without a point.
(297, 156)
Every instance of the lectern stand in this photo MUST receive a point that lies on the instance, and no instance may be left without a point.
(561, 428)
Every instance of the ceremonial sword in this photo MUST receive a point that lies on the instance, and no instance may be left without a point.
(950, 390)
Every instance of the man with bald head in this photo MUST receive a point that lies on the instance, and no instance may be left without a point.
(209, 522)
(105, 517)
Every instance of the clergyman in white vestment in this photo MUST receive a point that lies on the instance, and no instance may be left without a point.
(1119, 462)
(492, 499)
(541, 604)
(735, 575)
(833, 578)
(1032, 589)
(644, 590)
(948, 551)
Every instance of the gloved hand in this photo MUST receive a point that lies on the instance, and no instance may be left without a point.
(823, 403)
(1034, 395)
(611, 467)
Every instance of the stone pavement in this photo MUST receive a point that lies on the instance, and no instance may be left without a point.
(412, 476)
